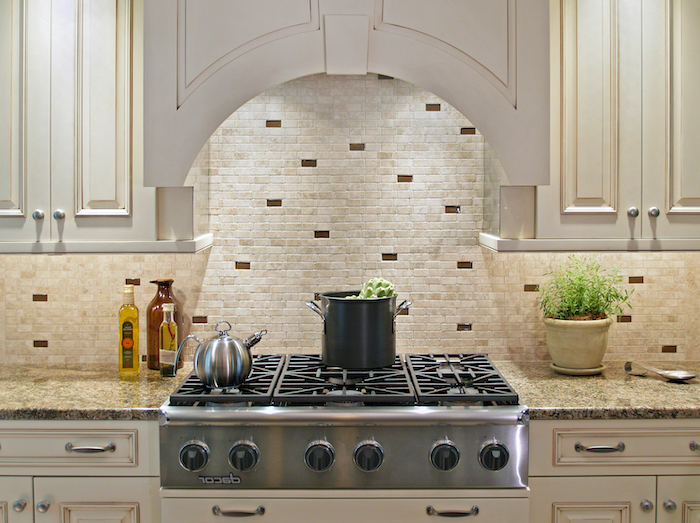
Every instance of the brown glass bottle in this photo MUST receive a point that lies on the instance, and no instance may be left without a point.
(154, 317)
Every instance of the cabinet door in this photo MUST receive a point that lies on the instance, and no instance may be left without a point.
(671, 118)
(678, 499)
(117, 499)
(16, 500)
(600, 499)
(96, 176)
(596, 121)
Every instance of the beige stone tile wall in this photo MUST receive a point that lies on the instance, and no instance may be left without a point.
(357, 198)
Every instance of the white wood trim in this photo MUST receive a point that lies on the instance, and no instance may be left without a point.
(497, 244)
(95, 247)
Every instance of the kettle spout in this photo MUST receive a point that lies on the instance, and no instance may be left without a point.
(179, 350)
(255, 338)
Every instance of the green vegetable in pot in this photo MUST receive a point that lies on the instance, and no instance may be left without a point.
(377, 288)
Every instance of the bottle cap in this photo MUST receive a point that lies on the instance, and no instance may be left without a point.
(168, 307)
(128, 287)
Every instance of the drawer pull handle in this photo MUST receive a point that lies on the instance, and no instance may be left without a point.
(90, 450)
(452, 513)
(237, 513)
(43, 506)
(694, 446)
(646, 506)
(19, 505)
(600, 449)
(670, 505)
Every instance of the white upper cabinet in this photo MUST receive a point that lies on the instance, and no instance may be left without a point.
(206, 58)
(71, 152)
(625, 124)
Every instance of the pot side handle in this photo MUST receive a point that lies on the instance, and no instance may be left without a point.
(312, 305)
(404, 306)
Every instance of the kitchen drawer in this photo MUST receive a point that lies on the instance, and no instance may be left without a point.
(632, 447)
(82, 447)
(343, 510)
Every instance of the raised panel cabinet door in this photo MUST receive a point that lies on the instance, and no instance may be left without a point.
(671, 156)
(24, 119)
(678, 499)
(16, 502)
(115, 499)
(600, 499)
(596, 121)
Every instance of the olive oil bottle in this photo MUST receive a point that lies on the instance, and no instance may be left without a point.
(168, 341)
(128, 334)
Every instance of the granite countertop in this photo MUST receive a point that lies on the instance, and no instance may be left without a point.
(96, 393)
(86, 392)
(613, 394)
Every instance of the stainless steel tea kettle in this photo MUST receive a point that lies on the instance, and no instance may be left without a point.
(223, 361)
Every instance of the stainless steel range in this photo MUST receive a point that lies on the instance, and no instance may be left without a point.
(427, 421)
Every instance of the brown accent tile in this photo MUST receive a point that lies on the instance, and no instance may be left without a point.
(308, 163)
(144, 359)
(636, 279)
(317, 296)
(432, 107)
(531, 287)
(273, 123)
(41, 343)
(464, 326)
(199, 319)
(453, 209)
(322, 234)
(384, 77)
(668, 348)
(133, 281)
(624, 319)
(390, 257)
(467, 130)
(357, 147)
(465, 265)
(40, 297)
(404, 178)
(242, 265)
(274, 203)
(404, 312)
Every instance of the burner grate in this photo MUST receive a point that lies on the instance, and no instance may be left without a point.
(256, 390)
(305, 380)
(459, 378)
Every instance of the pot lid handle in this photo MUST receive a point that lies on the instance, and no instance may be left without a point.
(222, 332)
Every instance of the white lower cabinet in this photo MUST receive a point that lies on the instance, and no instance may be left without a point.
(616, 471)
(346, 509)
(79, 471)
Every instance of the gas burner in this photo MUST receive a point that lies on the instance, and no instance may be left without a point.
(459, 378)
(305, 380)
(256, 390)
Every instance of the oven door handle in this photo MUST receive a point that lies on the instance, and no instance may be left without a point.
(237, 513)
(452, 513)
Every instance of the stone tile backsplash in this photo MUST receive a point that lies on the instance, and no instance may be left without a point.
(407, 206)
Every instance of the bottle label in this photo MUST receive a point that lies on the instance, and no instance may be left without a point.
(167, 357)
(127, 345)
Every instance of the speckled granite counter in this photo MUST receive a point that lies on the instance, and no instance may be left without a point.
(97, 393)
(82, 393)
(610, 395)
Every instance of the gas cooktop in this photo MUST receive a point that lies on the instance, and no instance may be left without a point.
(413, 379)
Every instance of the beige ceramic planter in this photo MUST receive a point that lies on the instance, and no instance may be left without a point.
(577, 346)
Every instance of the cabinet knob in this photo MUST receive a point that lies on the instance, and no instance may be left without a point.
(43, 506)
(19, 505)
(670, 505)
(59, 214)
(646, 505)
(633, 212)
(38, 214)
(654, 212)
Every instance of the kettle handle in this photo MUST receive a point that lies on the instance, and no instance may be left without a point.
(179, 350)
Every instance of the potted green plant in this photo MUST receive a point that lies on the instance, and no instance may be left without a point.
(578, 303)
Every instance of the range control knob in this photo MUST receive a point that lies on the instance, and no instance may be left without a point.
(368, 456)
(319, 456)
(444, 455)
(244, 455)
(194, 456)
(493, 455)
